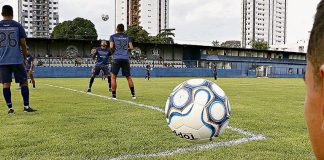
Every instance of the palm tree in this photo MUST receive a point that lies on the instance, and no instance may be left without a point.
(166, 36)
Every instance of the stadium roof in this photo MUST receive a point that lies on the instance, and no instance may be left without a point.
(176, 44)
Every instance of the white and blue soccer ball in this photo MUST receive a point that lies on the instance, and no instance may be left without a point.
(198, 110)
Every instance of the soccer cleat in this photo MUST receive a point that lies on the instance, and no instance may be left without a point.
(133, 97)
(29, 109)
(89, 90)
(11, 111)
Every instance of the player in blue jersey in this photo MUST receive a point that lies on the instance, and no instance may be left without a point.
(30, 68)
(148, 71)
(102, 55)
(120, 43)
(12, 37)
(214, 68)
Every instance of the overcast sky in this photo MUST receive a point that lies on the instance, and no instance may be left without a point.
(195, 20)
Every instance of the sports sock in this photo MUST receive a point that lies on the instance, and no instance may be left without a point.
(34, 84)
(114, 95)
(25, 95)
(91, 82)
(132, 90)
(7, 96)
(109, 81)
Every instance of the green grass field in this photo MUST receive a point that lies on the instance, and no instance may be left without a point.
(72, 125)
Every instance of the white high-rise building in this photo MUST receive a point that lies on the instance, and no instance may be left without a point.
(264, 20)
(152, 15)
(38, 17)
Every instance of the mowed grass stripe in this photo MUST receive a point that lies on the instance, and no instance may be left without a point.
(72, 126)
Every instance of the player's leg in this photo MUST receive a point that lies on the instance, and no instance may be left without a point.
(148, 76)
(21, 78)
(31, 76)
(115, 67)
(114, 85)
(109, 82)
(107, 75)
(95, 72)
(6, 79)
(126, 69)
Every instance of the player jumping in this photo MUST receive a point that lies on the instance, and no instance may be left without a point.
(102, 54)
(12, 61)
(120, 43)
(30, 68)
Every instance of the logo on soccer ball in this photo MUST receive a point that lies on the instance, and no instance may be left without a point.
(197, 109)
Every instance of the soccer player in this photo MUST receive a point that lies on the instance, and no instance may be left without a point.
(314, 105)
(30, 68)
(120, 43)
(215, 72)
(12, 37)
(102, 55)
(148, 72)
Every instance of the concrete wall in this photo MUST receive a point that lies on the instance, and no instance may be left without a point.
(79, 72)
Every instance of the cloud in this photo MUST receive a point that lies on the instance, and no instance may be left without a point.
(206, 20)
(194, 20)
(70, 9)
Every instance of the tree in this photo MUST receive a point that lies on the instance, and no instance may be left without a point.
(165, 37)
(138, 34)
(259, 44)
(231, 44)
(142, 36)
(79, 28)
(216, 43)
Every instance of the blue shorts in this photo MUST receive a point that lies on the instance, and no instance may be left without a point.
(18, 70)
(96, 70)
(123, 65)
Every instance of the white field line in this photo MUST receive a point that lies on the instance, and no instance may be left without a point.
(192, 149)
(249, 136)
(109, 98)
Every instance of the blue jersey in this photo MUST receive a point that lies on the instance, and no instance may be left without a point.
(29, 62)
(121, 42)
(102, 56)
(10, 34)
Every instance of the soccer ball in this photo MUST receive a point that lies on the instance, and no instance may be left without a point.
(197, 110)
(105, 17)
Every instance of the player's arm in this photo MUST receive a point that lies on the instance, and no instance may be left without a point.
(23, 45)
(32, 63)
(130, 44)
(94, 53)
(111, 47)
